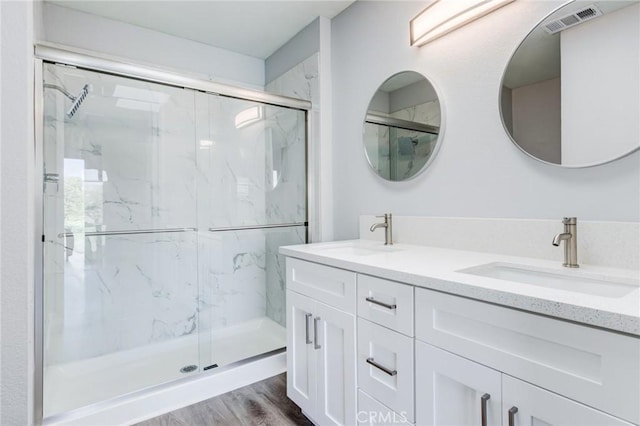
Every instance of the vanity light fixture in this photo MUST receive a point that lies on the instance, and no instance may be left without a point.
(443, 16)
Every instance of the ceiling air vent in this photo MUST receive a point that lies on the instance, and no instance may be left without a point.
(573, 19)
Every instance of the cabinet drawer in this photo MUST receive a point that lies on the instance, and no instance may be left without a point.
(585, 364)
(387, 303)
(385, 367)
(335, 287)
(373, 413)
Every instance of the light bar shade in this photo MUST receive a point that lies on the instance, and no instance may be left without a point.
(443, 16)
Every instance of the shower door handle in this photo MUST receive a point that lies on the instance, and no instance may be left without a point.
(52, 178)
(69, 244)
(307, 328)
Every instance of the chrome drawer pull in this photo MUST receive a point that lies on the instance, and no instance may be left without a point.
(377, 302)
(307, 328)
(512, 415)
(483, 408)
(316, 345)
(381, 368)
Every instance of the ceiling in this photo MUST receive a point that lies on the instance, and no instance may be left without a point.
(254, 28)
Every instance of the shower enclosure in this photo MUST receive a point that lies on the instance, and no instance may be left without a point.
(163, 210)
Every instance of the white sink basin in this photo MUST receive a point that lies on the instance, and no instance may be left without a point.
(355, 249)
(571, 280)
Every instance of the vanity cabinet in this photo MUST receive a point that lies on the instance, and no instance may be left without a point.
(597, 368)
(321, 344)
(426, 357)
(451, 390)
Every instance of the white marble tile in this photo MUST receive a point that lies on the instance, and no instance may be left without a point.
(300, 82)
(121, 292)
(276, 283)
(241, 167)
(232, 274)
(126, 168)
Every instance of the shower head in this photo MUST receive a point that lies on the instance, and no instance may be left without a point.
(78, 100)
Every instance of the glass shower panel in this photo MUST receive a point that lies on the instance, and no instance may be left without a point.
(120, 252)
(251, 200)
(243, 281)
(251, 163)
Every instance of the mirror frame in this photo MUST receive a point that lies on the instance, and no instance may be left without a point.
(504, 125)
(437, 145)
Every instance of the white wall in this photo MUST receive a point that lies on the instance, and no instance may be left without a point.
(536, 119)
(478, 172)
(73, 28)
(293, 52)
(601, 87)
(16, 211)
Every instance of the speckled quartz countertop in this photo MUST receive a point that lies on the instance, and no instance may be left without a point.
(439, 269)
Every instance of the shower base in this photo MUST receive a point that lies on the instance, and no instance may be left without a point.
(81, 383)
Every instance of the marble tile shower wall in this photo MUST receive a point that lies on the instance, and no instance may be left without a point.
(299, 82)
(141, 156)
(377, 140)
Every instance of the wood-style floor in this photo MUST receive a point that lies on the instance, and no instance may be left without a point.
(264, 403)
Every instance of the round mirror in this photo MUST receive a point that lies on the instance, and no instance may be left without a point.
(402, 126)
(570, 93)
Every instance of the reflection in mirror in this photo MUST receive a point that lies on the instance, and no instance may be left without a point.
(402, 126)
(570, 94)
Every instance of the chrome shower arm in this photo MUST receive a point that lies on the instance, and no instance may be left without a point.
(61, 90)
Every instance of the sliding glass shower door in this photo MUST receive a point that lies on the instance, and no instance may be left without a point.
(251, 200)
(163, 212)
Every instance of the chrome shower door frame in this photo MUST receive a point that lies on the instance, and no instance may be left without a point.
(62, 55)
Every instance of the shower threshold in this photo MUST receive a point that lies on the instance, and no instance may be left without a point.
(80, 383)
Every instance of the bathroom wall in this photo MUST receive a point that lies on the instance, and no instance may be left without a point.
(83, 30)
(540, 137)
(16, 213)
(478, 171)
(294, 52)
(589, 50)
(608, 244)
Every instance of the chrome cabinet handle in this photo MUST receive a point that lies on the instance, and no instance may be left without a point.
(512, 416)
(307, 329)
(380, 367)
(377, 302)
(483, 408)
(316, 345)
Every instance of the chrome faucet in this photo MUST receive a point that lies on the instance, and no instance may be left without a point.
(388, 236)
(570, 238)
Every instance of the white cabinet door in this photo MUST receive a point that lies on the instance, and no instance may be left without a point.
(451, 390)
(335, 342)
(538, 407)
(301, 362)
